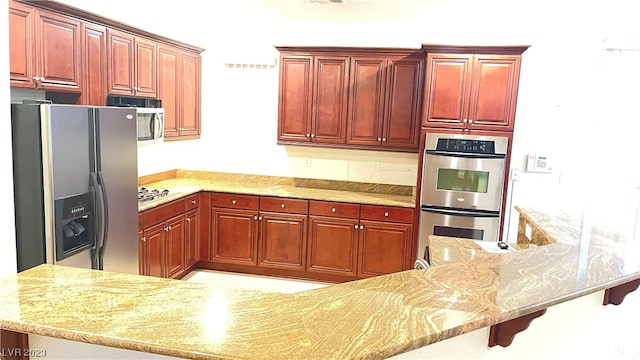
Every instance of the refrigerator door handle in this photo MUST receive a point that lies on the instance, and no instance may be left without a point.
(105, 220)
(94, 185)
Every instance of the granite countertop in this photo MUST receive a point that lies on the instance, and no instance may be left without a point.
(188, 182)
(370, 318)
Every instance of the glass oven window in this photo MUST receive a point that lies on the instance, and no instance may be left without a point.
(463, 180)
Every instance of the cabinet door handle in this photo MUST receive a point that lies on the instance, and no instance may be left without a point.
(313, 135)
(333, 210)
(282, 206)
(143, 238)
(379, 139)
(355, 226)
(260, 218)
(384, 139)
(188, 219)
(193, 201)
(464, 121)
(255, 217)
(386, 214)
(361, 227)
(307, 135)
(233, 202)
(470, 121)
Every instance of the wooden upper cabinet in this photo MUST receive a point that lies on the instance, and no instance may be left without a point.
(179, 85)
(132, 65)
(351, 97)
(313, 98)
(329, 116)
(472, 88)
(94, 58)
(366, 113)
(294, 103)
(44, 49)
(403, 102)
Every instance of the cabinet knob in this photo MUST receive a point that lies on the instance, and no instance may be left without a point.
(282, 206)
(143, 238)
(361, 227)
(379, 139)
(384, 139)
(355, 226)
(333, 210)
(464, 121)
(233, 202)
(260, 218)
(188, 219)
(193, 201)
(313, 135)
(470, 121)
(386, 214)
(307, 135)
(255, 217)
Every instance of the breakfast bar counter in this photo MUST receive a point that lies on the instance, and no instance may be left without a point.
(366, 319)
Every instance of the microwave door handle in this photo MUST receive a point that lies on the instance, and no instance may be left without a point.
(160, 125)
(152, 127)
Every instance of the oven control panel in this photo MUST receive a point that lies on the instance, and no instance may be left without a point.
(466, 146)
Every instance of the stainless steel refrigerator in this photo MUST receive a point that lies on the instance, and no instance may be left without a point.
(75, 186)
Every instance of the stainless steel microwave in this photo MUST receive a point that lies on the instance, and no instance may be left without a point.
(149, 113)
(150, 124)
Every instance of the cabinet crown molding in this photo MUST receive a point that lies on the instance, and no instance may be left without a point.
(475, 49)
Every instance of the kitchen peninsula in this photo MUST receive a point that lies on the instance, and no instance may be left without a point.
(370, 318)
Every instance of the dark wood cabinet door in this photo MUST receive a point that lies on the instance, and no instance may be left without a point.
(332, 245)
(446, 90)
(94, 58)
(282, 242)
(142, 253)
(175, 245)
(294, 105)
(145, 68)
(189, 94)
(121, 70)
(192, 243)
(167, 88)
(58, 60)
(494, 90)
(329, 114)
(234, 236)
(383, 247)
(21, 45)
(155, 260)
(367, 99)
(404, 102)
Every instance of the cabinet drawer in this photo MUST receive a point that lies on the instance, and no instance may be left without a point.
(293, 206)
(326, 208)
(234, 201)
(164, 212)
(387, 213)
(193, 201)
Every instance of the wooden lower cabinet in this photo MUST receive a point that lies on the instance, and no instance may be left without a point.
(153, 253)
(282, 240)
(191, 237)
(332, 245)
(175, 245)
(233, 236)
(383, 248)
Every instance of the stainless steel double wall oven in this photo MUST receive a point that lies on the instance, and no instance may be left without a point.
(462, 187)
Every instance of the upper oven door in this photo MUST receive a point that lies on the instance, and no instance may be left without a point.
(463, 182)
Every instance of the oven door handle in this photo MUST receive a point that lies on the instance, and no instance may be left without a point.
(465, 155)
(460, 212)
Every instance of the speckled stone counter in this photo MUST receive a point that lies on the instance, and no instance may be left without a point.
(366, 319)
(184, 182)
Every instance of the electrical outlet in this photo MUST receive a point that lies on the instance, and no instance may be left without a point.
(307, 161)
(376, 166)
(515, 174)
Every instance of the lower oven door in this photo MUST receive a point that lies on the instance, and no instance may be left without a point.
(477, 225)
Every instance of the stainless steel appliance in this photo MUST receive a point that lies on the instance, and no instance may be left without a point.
(75, 182)
(462, 186)
(149, 116)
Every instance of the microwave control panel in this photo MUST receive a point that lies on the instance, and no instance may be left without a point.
(466, 146)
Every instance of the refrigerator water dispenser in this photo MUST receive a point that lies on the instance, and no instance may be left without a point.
(74, 225)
